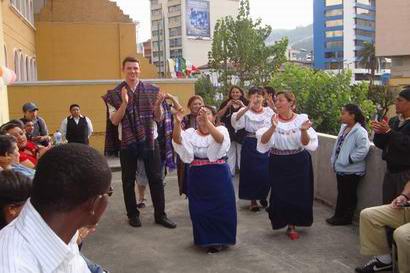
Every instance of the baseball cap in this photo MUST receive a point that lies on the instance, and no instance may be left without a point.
(30, 107)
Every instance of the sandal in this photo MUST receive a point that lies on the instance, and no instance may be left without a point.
(292, 234)
(254, 208)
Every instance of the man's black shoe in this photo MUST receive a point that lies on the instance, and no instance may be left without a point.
(335, 221)
(165, 222)
(134, 221)
(374, 265)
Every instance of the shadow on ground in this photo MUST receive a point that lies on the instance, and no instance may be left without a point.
(154, 249)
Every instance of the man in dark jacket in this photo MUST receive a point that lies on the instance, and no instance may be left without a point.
(394, 139)
(76, 128)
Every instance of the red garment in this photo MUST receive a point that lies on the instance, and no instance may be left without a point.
(29, 153)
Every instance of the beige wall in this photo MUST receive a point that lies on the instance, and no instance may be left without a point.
(4, 108)
(392, 27)
(54, 98)
(19, 34)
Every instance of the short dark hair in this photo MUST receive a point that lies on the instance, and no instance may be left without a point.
(11, 125)
(14, 188)
(6, 144)
(270, 90)
(67, 176)
(129, 59)
(74, 105)
(256, 90)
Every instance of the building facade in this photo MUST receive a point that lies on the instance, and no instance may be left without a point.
(184, 28)
(19, 38)
(340, 28)
(393, 39)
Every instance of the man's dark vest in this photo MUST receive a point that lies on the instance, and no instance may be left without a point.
(77, 133)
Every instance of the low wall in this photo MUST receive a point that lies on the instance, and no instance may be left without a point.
(370, 187)
(53, 99)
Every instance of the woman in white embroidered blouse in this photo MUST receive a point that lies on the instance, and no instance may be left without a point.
(210, 190)
(254, 176)
(288, 138)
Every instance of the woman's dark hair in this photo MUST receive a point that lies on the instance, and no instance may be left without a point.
(6, 144)
(354, 109)
(256, 90)
(15, 188)
(242, 98)
(211, 108)
(74, 105)
(11, 125)
(194, 98)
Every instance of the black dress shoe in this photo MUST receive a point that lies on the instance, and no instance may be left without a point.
(335, 221)
(165, 222)
(134, 221)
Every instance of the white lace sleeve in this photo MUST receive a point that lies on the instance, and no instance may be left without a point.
(238, 124)
(218, 150)
(314, 141)
(260, 147)
(185, 150)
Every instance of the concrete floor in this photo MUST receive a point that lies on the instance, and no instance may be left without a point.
(154, 249)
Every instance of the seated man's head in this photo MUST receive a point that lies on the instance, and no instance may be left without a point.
(28, 126)
(15, 189)
(15, 128)
(72, 181)
(403, 102)
(9, 152)
(30, 111)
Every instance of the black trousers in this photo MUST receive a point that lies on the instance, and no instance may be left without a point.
(346, 195)
(152, 162)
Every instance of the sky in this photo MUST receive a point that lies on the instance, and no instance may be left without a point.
(280, 14)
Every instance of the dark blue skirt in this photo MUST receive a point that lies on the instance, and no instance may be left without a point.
(291, 200)
(254, 175)
(212, 205)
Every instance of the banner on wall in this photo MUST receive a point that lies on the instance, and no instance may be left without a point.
(198, 21)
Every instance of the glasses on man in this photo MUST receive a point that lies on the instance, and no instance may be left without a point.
(109, 192)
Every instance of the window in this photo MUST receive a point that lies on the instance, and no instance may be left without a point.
(25, 8)
(333, 55)
(358, 43)
(334, 2)
(175, 53)
(173, 9)
(23, 74)
(175, 42)
(174, 20)
(366, 12)
(366, 33)
(366, 2)
(365, 23)
(334, 23)
(156, 12)
(157, 53)
(16, 58)
(335, 65)
(335, 33)
(157, 22)
(5, 56)
(27, 68)
(334, 12)
(175, 31)
(332, 44)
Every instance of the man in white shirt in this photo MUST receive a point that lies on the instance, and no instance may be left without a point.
(70, 191)
(76, 128)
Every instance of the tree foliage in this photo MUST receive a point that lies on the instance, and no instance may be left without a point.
(322, 95)
(367, 58)
(239, 51)
(204, 88)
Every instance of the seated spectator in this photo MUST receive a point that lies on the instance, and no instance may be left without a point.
(43, 238)
(15, 189)
(29, 128)
(373, 237)
(9, 156)
(29, 151)
(76, 128)
(40, 132)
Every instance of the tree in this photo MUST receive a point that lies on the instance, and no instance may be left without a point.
(383, 97)
(239, 52)
(322, 95)
(368, 59)
(204, 88)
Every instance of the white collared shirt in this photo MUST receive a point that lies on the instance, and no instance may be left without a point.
(29, 245)
(63, 126)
